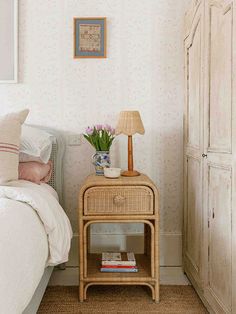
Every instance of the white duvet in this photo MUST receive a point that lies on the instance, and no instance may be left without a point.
(34, 233)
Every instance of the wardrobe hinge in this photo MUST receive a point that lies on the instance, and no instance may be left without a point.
(208, 252)
(208, 223)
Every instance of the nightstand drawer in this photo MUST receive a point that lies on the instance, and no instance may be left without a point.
(125, 200)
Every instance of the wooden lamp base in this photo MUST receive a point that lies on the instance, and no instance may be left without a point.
(130, 172)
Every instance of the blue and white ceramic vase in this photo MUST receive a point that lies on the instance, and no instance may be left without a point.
(101, 160)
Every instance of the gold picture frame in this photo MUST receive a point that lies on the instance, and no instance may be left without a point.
(90, 37)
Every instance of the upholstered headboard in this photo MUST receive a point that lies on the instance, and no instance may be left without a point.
(57, 155)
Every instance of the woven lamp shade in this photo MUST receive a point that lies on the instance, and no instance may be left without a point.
(129, 123)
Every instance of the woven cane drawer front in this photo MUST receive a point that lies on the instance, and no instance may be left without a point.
(125, 200)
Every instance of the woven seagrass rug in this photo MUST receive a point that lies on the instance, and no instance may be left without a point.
(121, 299)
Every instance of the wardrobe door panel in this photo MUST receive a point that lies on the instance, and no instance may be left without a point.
(220, 232)
(193, 145)
(220, 79)
(194, 88)
(194, 215)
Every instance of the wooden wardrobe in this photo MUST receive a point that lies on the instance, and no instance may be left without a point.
(209, 250)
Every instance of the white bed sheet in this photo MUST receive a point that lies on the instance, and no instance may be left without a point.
(34, 233)
(50, 189)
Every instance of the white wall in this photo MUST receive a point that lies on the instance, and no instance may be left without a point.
(143, 71)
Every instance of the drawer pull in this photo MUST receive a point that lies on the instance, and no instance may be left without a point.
(119, 199)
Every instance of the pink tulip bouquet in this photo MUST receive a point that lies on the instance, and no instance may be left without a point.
(100, 136)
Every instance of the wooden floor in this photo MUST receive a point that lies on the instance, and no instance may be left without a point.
(121, 299)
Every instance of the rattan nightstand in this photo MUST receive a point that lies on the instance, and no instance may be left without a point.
(125, 200)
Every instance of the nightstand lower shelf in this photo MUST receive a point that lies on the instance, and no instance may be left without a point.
(141, 278)
(94, 273)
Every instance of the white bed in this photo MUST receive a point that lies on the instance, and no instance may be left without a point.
(35, 235)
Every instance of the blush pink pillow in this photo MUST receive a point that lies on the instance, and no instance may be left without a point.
(35, 172)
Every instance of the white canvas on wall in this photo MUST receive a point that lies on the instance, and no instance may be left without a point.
(8, 40)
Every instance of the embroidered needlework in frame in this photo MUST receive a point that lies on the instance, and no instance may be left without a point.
(90, 38)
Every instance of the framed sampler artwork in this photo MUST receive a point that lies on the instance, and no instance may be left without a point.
(90, 37)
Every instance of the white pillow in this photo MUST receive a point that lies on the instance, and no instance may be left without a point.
(10, 131)
(36, 145)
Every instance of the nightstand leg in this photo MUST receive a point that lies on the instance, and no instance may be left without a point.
(81, 291)
(81, 264)
(157, 297)
(157, 263)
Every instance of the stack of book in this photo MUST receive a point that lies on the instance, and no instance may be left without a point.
(118, 263)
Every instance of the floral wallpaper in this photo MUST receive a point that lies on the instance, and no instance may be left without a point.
(143, 71)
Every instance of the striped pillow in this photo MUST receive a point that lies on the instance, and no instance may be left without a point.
(10, 131)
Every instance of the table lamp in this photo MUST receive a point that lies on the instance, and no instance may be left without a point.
(130, 123)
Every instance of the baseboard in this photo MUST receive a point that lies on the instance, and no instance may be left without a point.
(69, 277)
(170, 246)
